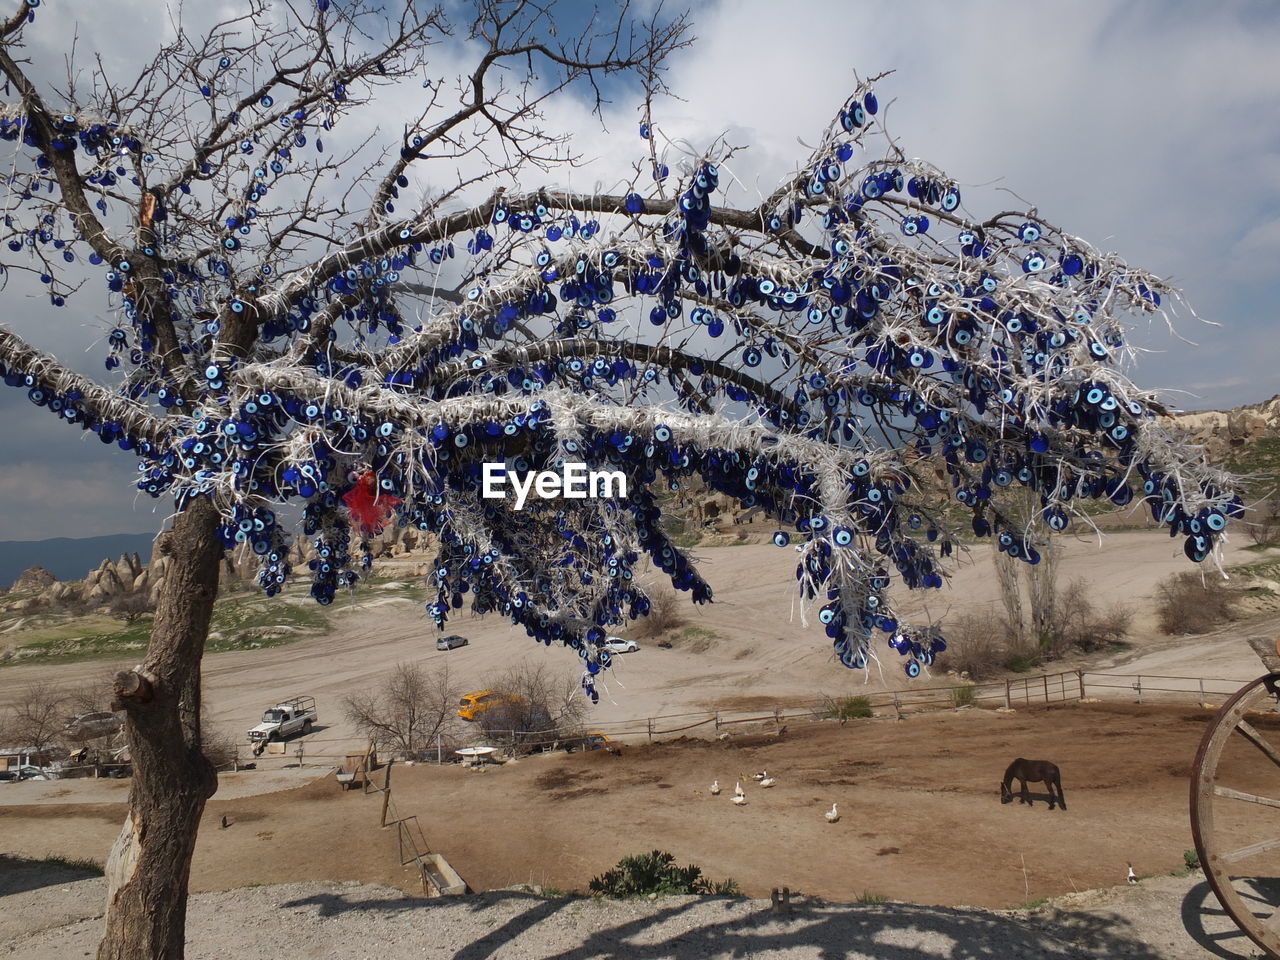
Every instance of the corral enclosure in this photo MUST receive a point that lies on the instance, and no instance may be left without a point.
(920, 820)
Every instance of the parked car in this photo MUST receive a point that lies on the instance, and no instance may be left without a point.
(474, 704)
(30, 772)
(618, 645)
(91, 726)
(592, 741)
(451, 641)
(8, 776)
(296, 715)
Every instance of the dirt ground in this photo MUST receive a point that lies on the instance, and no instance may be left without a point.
(920, 817)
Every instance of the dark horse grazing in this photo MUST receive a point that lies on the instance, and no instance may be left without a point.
(1032, 771)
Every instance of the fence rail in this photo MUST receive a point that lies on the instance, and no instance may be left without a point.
(1047, 689)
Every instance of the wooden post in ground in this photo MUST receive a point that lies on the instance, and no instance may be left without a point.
(1080, 677)
(1202, 701)
(897, 711)
(386, 792)
(1008, 699)
(650, 721)
(1046, 689)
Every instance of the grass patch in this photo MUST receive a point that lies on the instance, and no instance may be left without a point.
(870, 896)
(238, 623)
(962, 697)
(695, 639)
(1023, 661)
(1033, 904)
(847, 708)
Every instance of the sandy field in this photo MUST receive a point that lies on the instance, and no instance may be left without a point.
(759, 646)
(920, 818)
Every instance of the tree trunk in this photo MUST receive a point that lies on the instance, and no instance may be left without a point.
(1010, 594)
(150, 863)
(1042, 587)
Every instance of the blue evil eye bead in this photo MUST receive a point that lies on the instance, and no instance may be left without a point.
(1032, 263)
(843, 536)
(751, 357)
(1072, 264)
(951, 199)
(781, 538)
(1215, 521)
(912, 668)
(662, 433)
(1029, 232)
(635, 203)
(644, 131)
(872, 104)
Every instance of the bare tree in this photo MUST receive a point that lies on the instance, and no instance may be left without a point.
(295, 321)
(541, 707)
(38, 715)
(408, 711)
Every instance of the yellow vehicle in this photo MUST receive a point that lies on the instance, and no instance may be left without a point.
(474, 704)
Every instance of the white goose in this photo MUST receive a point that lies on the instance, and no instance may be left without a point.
(715, 788)
(832, 815)
(762, 775)
(738, 791)
(768, 781)
(740, 799)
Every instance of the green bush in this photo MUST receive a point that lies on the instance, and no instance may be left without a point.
(962, 697)
(1191, 859)
(847, 708)
(657, 872)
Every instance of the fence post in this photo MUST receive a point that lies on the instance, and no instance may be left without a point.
(777, 721)
(1008, 700)
(1046, 689)
(386, 792)
(650, 722)
(1080, 677)
(897, 712)
(1202, 701)
(1138, 686)
(439, 750)
(717, 719)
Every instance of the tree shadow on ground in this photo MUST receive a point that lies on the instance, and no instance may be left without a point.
(740, 928)
(18, 874)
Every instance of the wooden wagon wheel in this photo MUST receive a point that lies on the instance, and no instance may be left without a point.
(1235, 809)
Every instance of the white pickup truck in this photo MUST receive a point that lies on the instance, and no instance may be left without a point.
(285, 719)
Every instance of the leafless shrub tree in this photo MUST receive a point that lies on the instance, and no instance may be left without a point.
(542, 707)
(978, 646)
(130, 607)
(1190, 603)
(1263, 525)
(408, 711)
(38, 715)
(1082, 625)
(666, 613)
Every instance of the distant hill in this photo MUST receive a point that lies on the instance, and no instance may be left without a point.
(68, 558)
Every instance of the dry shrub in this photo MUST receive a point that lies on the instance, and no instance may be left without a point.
(978, 646)
(544, 707)
(1188, 603)
(1263, 527)
(131, 606)
(219, 748)
(666, 613)
(1081, 625)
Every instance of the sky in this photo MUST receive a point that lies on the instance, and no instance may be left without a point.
(1148, 128)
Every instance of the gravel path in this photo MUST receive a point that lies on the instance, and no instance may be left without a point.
(44, 917)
